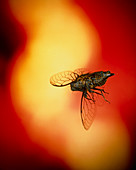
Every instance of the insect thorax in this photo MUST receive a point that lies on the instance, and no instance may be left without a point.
(81, 83)
(78, 85)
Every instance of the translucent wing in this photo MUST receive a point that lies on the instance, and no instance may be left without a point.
(63, 78)
(87, 110)
(81, 71)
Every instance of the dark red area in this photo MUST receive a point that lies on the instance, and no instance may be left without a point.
(115, 23)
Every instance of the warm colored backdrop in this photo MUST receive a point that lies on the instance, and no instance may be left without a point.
(40, 125)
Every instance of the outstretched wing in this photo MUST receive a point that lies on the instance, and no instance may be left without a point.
(81, 71)
(87, 110)
(63, 78)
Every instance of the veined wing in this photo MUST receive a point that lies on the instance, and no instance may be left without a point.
(87, 110)
(81, 71)
(63, 78)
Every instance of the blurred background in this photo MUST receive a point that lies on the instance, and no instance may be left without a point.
(40, 125)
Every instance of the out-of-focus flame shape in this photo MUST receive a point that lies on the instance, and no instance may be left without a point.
(60, 37)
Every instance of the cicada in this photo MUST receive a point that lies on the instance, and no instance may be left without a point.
(87, 83)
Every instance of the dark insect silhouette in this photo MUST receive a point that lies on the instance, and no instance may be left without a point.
(88, 84)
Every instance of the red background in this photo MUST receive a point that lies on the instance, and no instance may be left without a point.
(115, 24)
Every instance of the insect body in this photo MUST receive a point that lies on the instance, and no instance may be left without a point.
(88, 84)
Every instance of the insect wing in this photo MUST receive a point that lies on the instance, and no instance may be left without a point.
(81, 71)
(63, 78)
(87, 110)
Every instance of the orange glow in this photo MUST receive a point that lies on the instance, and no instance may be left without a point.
(61, 37)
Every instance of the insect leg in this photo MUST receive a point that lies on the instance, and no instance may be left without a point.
(91, 98)
(100, 93)
(88, 97)
(102, 90)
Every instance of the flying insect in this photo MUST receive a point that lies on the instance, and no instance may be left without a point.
(88, 84)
